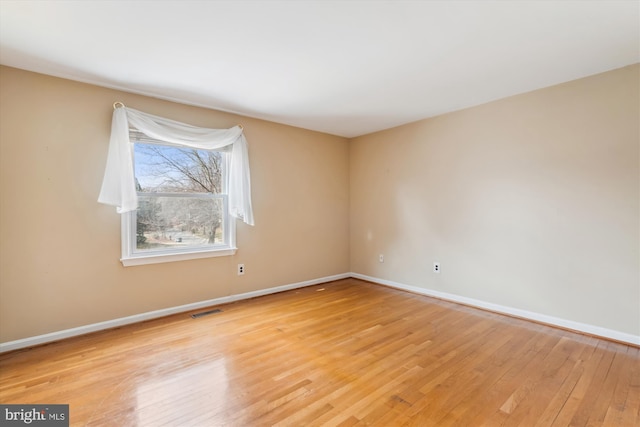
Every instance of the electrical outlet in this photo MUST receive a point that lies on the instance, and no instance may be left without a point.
(381, 258)
(240, 269)
(436, 267)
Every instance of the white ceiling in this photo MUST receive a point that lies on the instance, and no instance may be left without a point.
(343, 67)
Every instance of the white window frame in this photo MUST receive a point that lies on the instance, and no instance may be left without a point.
(130, 257)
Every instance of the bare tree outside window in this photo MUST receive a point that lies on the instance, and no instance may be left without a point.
(171, 169)
(179, 191)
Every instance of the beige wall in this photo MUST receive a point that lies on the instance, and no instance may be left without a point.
(60, 249)
(530, 202)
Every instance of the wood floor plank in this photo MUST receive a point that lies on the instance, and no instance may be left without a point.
(624, 396)
(346, 353)
(474, 396)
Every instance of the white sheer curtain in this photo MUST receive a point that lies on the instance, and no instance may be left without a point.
(118, 185)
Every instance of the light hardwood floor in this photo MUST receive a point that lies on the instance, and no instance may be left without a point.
(340, 354)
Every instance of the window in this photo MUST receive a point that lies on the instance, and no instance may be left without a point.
(182, 204)
(178, 187)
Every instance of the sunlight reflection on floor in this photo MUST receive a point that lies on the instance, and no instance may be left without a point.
(163, 401)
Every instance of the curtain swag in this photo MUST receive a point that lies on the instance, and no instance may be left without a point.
(118, 185)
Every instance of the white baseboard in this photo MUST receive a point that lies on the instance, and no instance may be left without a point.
(109, 324)
(542, 318)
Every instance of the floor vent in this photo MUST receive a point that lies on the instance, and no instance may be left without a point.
(206, 313)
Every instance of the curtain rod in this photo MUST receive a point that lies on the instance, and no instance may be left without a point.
(119, 104)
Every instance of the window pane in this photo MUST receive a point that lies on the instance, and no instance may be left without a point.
(177, 223)
(161, 168)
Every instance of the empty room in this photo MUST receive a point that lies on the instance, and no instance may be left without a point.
(320, 213)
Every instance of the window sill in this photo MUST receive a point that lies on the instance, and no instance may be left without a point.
(183, 256)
